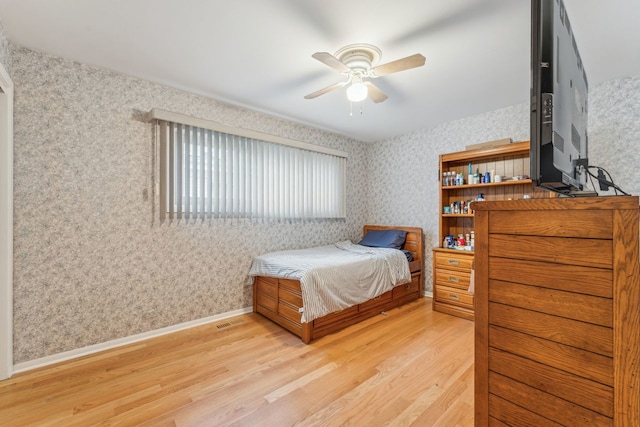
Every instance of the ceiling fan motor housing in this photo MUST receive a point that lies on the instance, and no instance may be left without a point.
(361, 57)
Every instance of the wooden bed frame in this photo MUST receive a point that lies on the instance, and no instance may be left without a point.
(281, 299)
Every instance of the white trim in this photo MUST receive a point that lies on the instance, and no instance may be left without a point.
(79, 352)
(6, 224)
(428, 294)
(168, 116)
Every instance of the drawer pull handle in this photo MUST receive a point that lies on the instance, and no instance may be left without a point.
(454, 279)
(453, 262)
(407, 286)
(454, 297)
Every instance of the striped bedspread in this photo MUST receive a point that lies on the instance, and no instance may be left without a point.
(336, 276)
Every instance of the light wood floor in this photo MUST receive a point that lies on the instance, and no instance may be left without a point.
(410, 367)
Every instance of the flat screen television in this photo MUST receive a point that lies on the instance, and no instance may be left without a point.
(559, 90)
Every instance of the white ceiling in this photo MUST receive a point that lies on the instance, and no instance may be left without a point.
(257, 53)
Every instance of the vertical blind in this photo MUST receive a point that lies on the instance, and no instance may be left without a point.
(206, 173)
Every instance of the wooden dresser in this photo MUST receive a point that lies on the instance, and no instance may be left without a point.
(557, 311)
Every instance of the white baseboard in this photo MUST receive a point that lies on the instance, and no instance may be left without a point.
(428, 294)
(95, 348)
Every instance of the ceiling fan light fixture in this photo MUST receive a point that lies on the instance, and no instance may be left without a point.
(357, 92)
(360, 61)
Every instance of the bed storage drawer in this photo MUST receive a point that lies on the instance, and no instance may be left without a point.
(336, 317)
(412, 288)
(294, 285)
(267, 286)
(415, 266)
(290, 300)
(290, 296)
(267, 302)
(376, 302)
(267, 293)
(289, 312)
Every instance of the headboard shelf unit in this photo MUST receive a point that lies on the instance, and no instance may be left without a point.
(452, 268)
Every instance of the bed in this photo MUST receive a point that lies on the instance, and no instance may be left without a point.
(280, 298)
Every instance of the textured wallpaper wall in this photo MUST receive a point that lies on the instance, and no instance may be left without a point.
(91, 264)
(5, 54)
(614, 131)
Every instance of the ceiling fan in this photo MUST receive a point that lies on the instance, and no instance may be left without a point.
(359, 62)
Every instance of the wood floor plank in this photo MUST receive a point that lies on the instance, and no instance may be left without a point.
(410, 366)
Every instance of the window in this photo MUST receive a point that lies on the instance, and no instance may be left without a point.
(208, 170)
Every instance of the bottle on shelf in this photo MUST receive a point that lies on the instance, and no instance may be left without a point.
(447, 179)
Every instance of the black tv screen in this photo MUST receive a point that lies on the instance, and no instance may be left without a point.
(559, 91)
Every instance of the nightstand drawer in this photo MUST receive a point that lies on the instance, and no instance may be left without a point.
(453, 278)
(454, 296)
(453, 260)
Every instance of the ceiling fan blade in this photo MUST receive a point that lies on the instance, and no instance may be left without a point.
(375, 94)
(407, 63)
(330, 60)
(325, 90)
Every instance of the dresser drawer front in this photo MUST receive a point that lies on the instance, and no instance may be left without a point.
(453, 278)
(453, 260)
(454, 296)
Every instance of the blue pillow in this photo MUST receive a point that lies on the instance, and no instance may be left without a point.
(384, 239)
